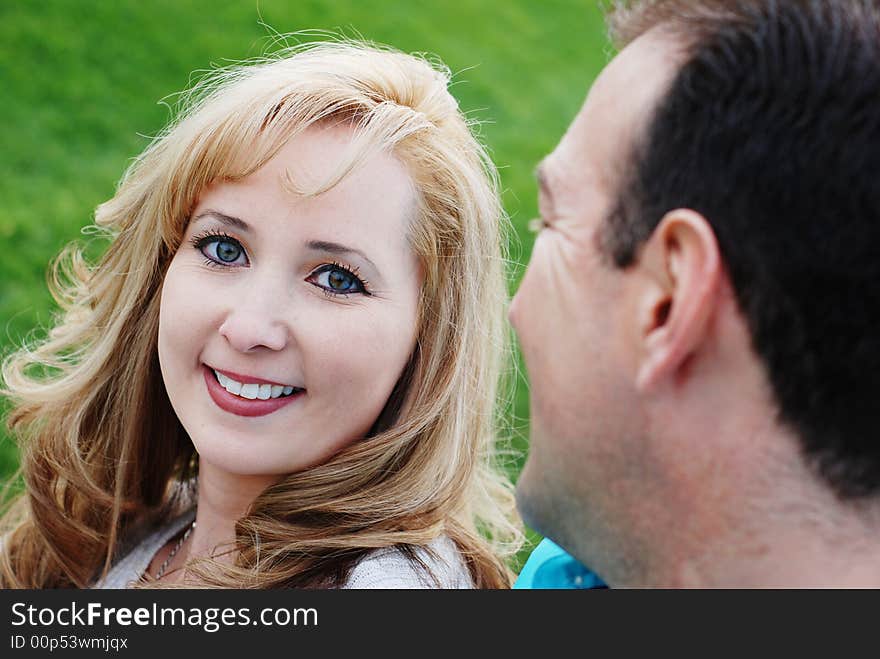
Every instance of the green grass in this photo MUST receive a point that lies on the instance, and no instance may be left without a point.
(81, 81)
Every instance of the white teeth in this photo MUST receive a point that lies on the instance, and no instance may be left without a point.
(253, 390)
(250, 391)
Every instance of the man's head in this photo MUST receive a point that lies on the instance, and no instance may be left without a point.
(699, 317)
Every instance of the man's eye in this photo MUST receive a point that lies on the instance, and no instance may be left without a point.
(536, 224)
(337, 280)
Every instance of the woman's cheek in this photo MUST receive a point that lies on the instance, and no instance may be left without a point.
(363, 354)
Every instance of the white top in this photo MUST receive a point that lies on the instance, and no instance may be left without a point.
(381, 568)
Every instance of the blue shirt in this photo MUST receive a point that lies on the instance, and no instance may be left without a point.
(550, 566)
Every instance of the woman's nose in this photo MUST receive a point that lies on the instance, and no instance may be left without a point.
(256, 322)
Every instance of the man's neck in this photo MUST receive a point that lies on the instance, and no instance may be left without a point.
(797, 535)
(794, 561)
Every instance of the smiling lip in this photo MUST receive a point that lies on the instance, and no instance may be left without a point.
(242, 406)
(238, 377)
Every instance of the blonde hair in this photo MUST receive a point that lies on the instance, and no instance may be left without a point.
(102, 450)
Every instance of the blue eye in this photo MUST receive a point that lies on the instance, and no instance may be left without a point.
(226, 251)
(221, 249)
(335, 279)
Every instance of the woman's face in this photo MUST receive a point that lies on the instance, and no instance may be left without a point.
(286, 321)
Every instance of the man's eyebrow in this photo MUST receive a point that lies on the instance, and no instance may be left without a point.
(228, 220)
(543, 182)
(336, 248)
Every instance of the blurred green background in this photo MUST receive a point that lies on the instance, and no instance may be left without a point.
(81, 81)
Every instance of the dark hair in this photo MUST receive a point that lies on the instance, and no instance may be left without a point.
(771, 130)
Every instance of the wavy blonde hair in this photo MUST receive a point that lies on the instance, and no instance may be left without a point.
(103, 453)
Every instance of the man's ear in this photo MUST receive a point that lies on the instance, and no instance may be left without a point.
(682, 267)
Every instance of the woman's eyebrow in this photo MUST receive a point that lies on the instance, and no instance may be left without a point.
(336, 248)
(315, 245)
(228, 220)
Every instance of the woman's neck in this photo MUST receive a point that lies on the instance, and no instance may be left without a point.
(223, 498)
